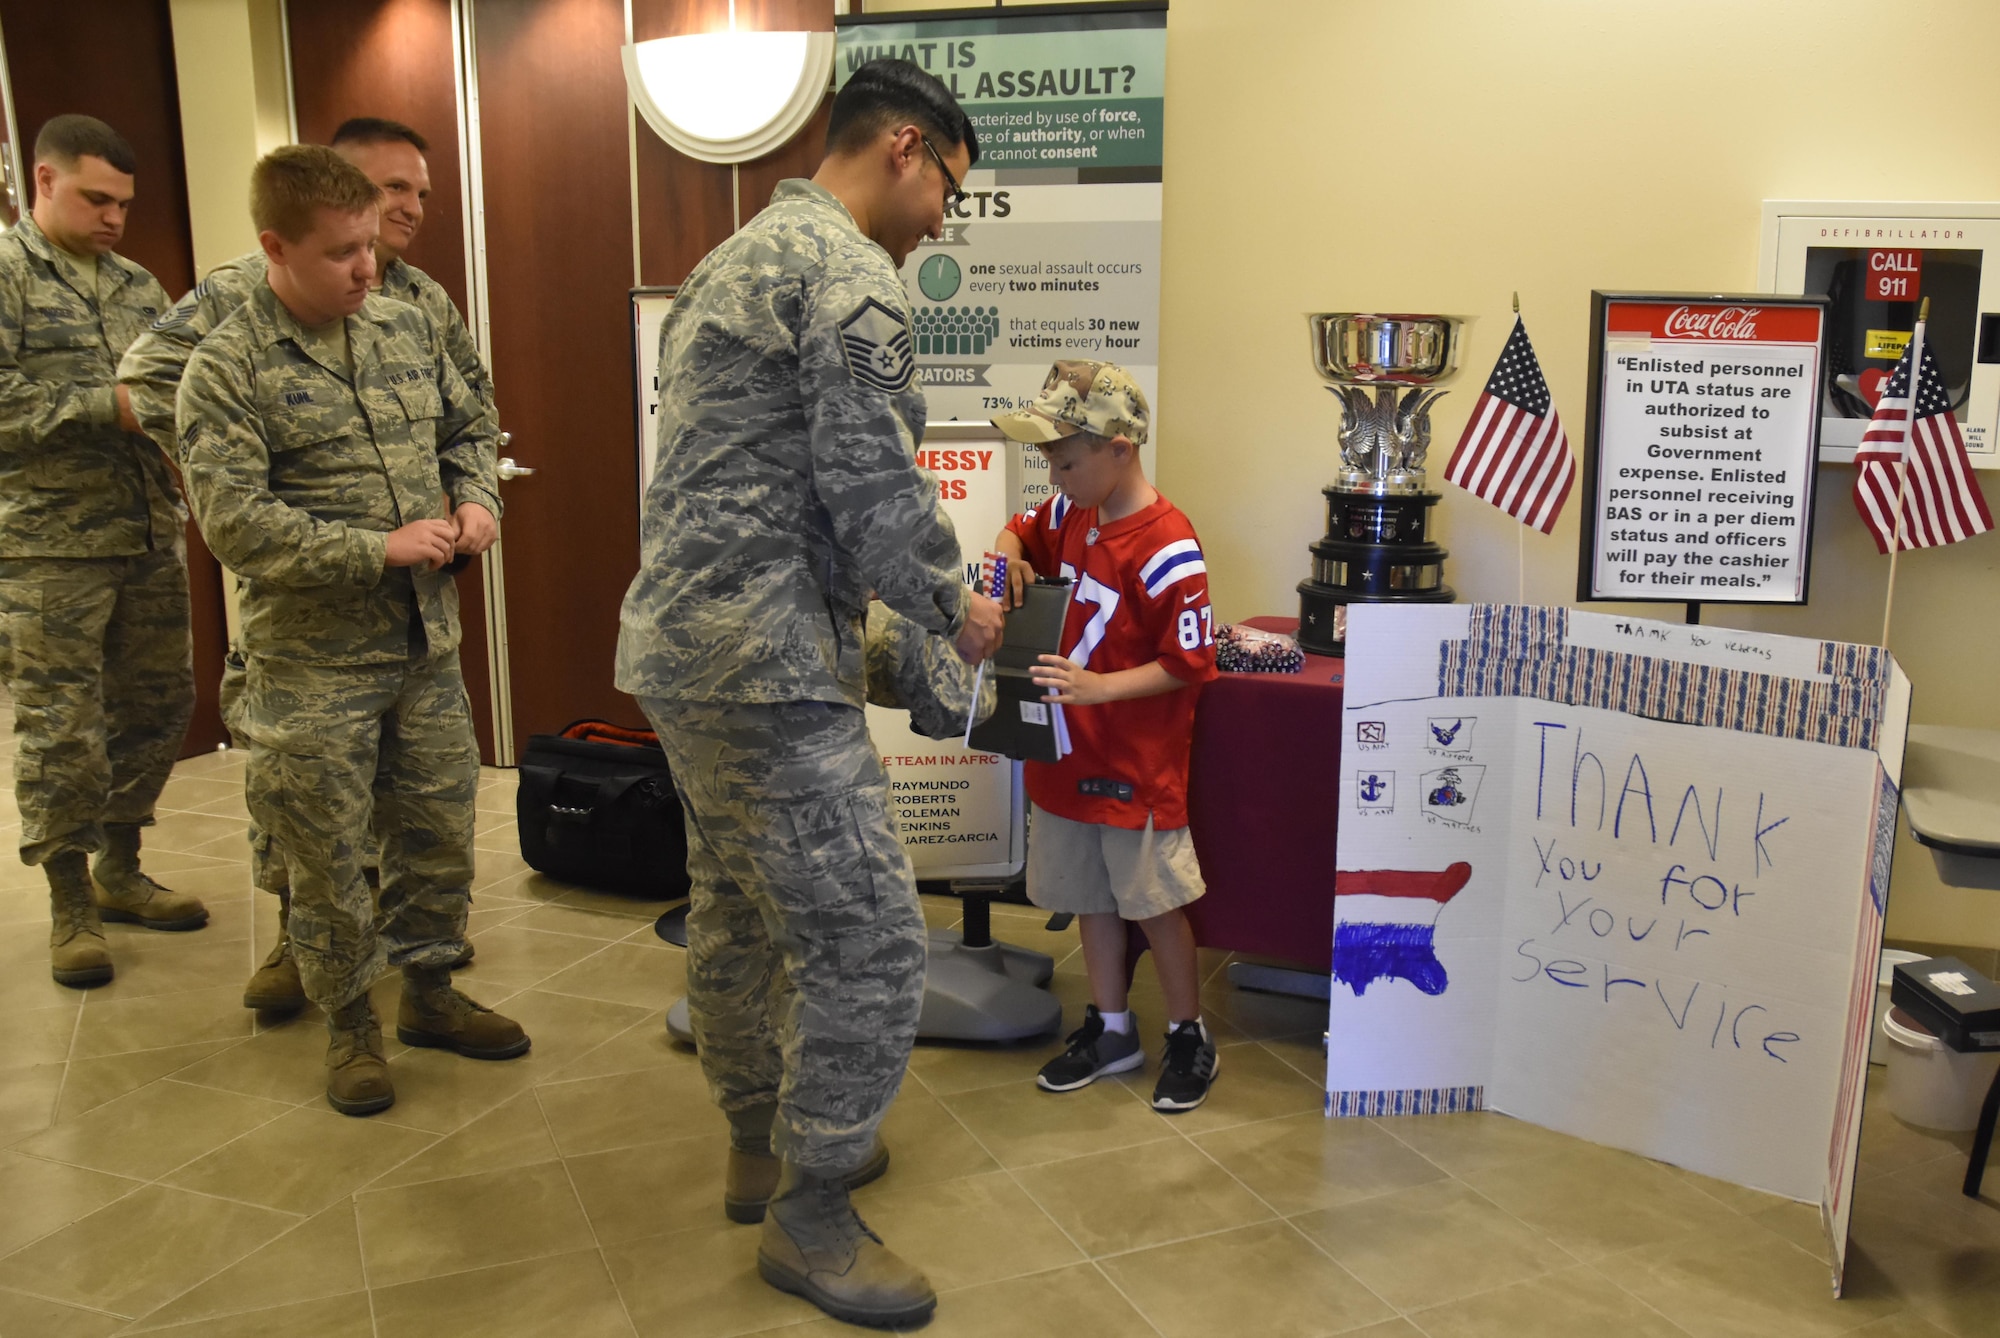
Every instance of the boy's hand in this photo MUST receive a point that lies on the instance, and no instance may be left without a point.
(1019, 577)
(422, 544)
(1068, 682)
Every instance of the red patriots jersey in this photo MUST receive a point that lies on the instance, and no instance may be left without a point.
(1140, 596)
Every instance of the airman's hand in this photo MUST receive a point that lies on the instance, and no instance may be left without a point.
(475, 529)
(422, 544)
(980, 636)
(126, 418)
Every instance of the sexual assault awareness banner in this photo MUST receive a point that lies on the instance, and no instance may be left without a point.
(1056, 250)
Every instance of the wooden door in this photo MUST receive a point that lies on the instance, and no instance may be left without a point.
(394, 59)
(114, 59)
(554, 155)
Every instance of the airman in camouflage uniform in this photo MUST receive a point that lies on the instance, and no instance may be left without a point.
(309, 452)
(786, 491)
(94, 639)
(392, 155)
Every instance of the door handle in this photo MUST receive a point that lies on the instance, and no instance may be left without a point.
(510, 470)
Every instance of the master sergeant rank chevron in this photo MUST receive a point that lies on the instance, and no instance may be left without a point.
(876, 342)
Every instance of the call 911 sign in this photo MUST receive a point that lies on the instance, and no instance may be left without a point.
(1703, 431)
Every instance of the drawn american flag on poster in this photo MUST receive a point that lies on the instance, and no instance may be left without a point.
(1514, 453)
(1942, 503)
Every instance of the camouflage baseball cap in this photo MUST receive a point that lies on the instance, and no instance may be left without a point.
(1080, 396)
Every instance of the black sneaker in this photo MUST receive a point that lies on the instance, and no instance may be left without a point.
(1092, 1053)
(1186, 1070)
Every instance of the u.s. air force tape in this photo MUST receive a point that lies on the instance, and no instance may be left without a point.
(876, 343)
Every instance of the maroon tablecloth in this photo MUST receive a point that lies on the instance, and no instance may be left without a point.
(1263, 803)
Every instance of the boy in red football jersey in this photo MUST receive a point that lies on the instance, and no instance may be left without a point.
(1108, 840)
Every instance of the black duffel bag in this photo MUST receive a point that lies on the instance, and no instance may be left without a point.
(596, 807)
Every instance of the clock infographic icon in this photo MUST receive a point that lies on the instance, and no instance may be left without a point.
(938, 277)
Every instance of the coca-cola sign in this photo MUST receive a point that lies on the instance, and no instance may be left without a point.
(1712, 323)
(1721, 322)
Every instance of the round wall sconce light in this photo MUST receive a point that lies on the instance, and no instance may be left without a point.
(728, 97)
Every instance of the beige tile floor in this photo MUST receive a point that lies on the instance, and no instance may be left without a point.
(167, 1165)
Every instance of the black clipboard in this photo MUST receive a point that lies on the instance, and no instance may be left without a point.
(1023, 726)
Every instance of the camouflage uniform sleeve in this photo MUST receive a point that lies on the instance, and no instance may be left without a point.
(31, 411)
(227, 464)
(428, 296)
(151, 369)
(465, 357)
(884, 510)
(467, 437)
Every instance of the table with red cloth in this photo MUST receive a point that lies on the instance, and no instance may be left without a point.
(1263, 807)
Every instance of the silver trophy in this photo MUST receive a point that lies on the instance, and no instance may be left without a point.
(1383, 367)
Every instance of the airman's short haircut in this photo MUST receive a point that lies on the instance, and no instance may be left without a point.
(377, 130)
(288, 185)
(64, 139)
(888, 92)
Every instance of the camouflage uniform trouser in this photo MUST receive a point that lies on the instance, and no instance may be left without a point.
(805, 939)
(99, 658)
(326, 742)
(267, 862)
(267, 866)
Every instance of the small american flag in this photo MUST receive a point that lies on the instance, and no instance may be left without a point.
(1942, 503)
(994, 569)
(1514, 453)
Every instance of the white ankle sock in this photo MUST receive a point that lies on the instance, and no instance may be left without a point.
(1197, 1022)
(1118, 1022)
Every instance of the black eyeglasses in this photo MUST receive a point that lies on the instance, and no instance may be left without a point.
(956, 195)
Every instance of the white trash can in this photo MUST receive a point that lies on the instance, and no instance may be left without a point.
(1878, 1049)
(1931, 1086)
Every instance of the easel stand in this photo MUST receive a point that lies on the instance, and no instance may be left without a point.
(974, 988)
(1982, 1139)
(978, 990)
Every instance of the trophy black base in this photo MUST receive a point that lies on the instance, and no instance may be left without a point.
(1323, 612)
(1374, 552)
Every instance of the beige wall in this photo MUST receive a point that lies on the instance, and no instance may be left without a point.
(1437, 156)
(235, 107)
(1327, 154)
(233, 72)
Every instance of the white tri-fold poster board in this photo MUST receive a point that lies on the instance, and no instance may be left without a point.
(1620, 878)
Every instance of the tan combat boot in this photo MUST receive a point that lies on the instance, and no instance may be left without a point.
(78, 954)
(275, 984)
(357, 1077)
(127, 896)
(436, 1015)
(816, 1246)
(751, 1176)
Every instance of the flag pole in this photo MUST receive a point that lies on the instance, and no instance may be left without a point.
(1903, 462)
(1520, 529)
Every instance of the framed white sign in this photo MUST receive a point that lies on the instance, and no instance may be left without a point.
(1699, 447)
